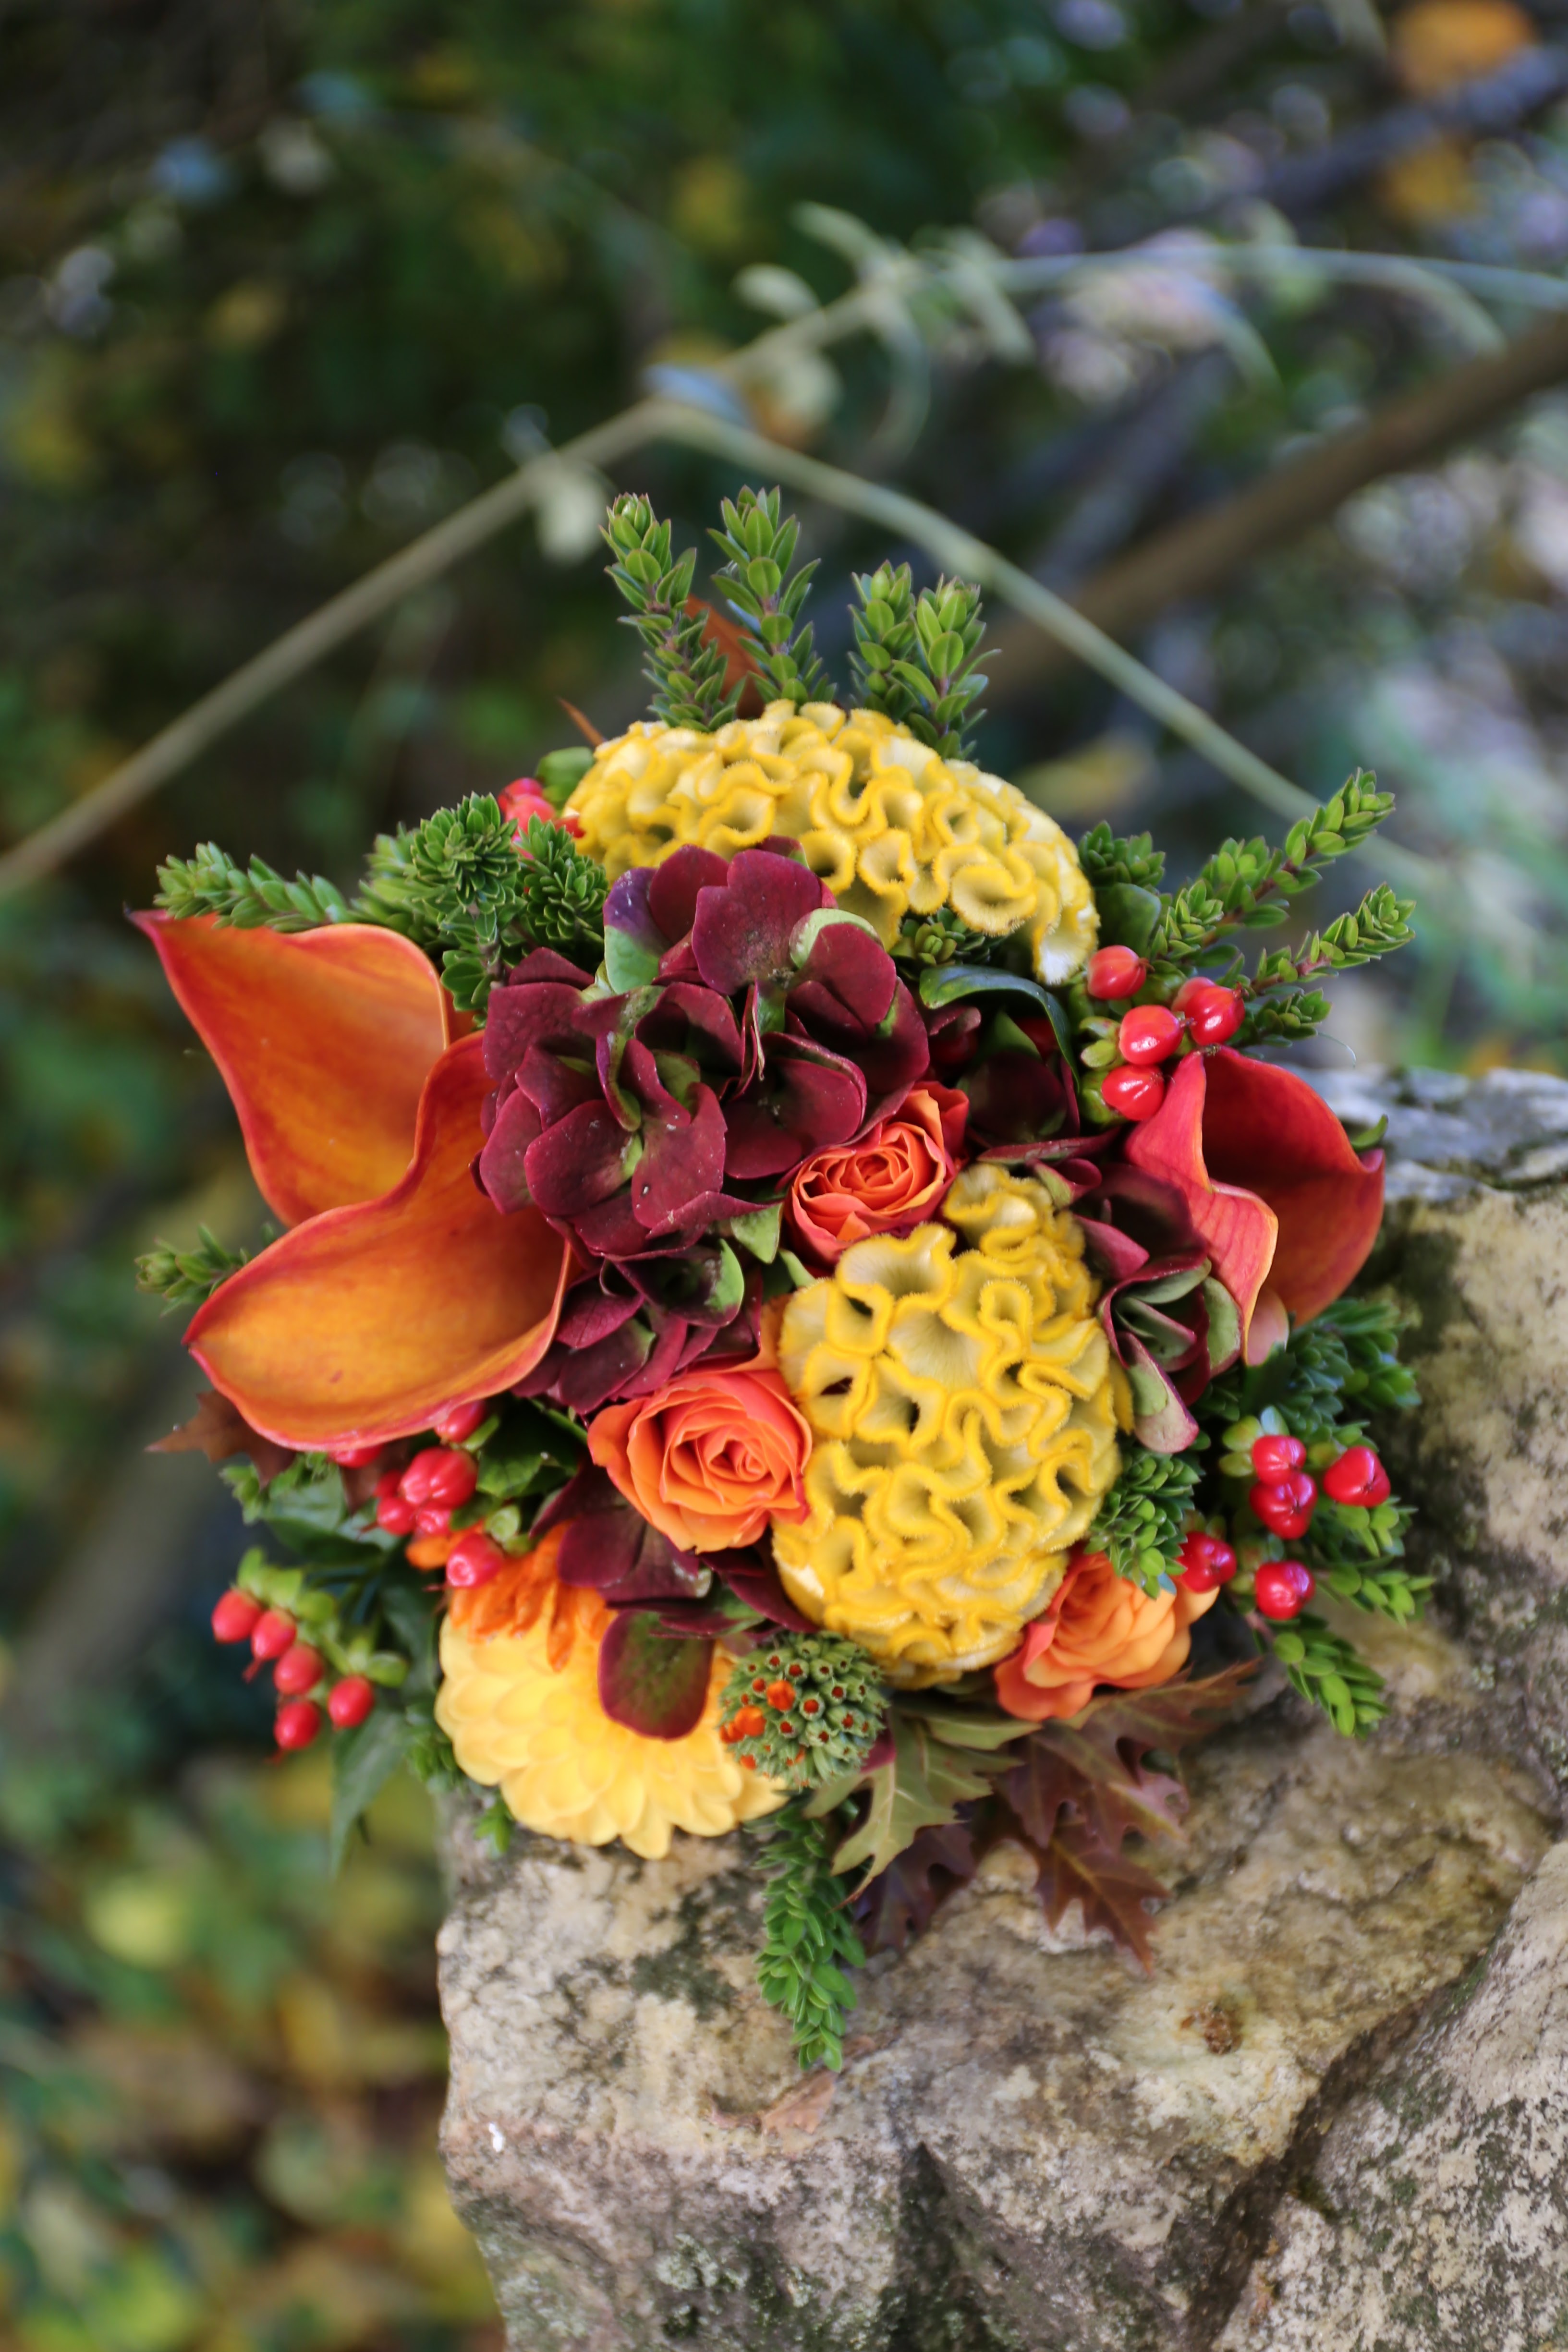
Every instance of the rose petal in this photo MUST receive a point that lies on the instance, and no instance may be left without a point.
(366, 1321)
(324, 1039)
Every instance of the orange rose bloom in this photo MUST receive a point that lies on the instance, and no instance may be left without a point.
(892, 1180)
(709, 1458)
(1101, 1628)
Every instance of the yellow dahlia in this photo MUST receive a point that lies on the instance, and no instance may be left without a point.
(520, 1703)
(964, 1410)
(891, 828)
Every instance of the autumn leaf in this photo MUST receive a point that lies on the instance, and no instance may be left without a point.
(219, 1430)
(921, 1788)
(1079, 1867)
(903, 1899)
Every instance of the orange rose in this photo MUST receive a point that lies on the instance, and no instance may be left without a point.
(1101, 1628)
(709, 1458)
(891, 1181)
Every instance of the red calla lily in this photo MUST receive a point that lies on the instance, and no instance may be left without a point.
(324, 1039)
(1286, 1208)
(404, 1289)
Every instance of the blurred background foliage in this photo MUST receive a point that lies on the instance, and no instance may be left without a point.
(282, 283)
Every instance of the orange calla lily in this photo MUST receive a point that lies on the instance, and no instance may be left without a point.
(1286, 1208)
(324, 1039)
(366, 1320)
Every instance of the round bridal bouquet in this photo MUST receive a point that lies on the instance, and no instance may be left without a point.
(804, 1299)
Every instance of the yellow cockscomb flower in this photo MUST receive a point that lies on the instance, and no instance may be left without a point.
(964, 1411)
(520, 1703)
(891, 828)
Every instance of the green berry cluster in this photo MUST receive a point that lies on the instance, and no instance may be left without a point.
(804, 1709)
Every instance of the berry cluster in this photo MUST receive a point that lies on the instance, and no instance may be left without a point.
(301, 1670)
(1201, 1014)
(805, 1709)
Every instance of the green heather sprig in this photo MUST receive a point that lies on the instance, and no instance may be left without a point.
(686, 674)
(1379, 925)
(457, 886)
(1325, 1668)
(943, 938)
(1247, 885)
(758, 582)
(1110, 858)
(809, 1938)
(914, 658)
(188, 1277)
(250, 897)
(1139, 1526)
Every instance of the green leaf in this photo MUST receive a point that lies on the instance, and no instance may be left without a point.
(923, 1784)
(1129, 916)
(363, 1760)
(560, 772)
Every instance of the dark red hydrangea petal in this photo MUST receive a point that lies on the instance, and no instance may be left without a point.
(682, 1156)
(546, 1013)
(581, 1380)
(954, 1035)
(804, 1100)
(581, 1161)
(1013, 1097)
(553, 1085)
(848, 964)
(611, 1230)
(693, 1020)
(617, 1555)
(501, 1165)
(630, 927)
(543, 963)
(673, 888)
(592, 1311)
(752, 1577)
(653, 1685)
(742, 929)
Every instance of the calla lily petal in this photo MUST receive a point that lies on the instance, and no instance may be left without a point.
(1286, 1208)
(366, 1321)
(324, 1039)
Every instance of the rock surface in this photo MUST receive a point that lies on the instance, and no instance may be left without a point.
(1328, 2118)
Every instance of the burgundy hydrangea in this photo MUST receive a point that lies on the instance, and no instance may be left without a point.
(751, 1023)
(1171, 1325)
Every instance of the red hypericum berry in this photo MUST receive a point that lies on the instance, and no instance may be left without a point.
(434, 1519)
(351, 1702)
(1115, 972)
(1206, 1562)
(271, 1634)
(299, 1670)
(296, 1725)
(460, 1421)
(1149, 1033)
(1358, 1478)
(1274, 1458)
(353, 1457)
(1283, 1587)
(1187, 996)
(235, 1618)
(1136, 1094)
(440, 1474)
(1286, 1506)
(395, 1516)
(1215, 1015)
(474, 1559)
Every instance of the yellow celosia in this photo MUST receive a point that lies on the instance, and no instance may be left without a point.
(537, 1730)
(963, 1410)
(891, 828)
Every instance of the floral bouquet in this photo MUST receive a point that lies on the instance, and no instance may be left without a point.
(806, 1299)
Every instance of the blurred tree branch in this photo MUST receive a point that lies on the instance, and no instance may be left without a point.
(1195, 556)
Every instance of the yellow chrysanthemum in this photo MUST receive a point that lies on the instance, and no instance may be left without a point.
(521, 1710)
(891, 828)
(964, 1409)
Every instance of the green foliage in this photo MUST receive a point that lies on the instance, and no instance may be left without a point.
(808, 1939)
(1247, 885)
(915, 656)
(758, 582)
(186, 1277)
(250, 897)
(1107, 857)
(458, 886)
(1341, 1366)
(686, 674)
(1377, 927)
(1325, 1668)
(944, 938)
(833, 1721)
(1140, 1524)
